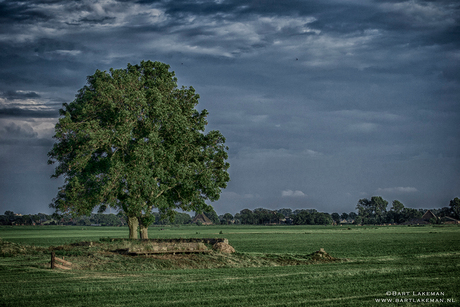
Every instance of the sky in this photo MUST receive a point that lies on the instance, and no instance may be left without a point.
(322, 103)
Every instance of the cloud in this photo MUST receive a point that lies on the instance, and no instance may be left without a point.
(25, 104)
(363, 127)
(35, 132)
(57, 19)
(233, 195)
(13, 95)
(290, 193)
(312, 153)
(417, 14)
(67, 52)
(398, 190)
(14, 131)
(360, 115)
(18, 112)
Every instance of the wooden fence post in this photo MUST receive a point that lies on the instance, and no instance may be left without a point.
(53, 260)
(55, 265)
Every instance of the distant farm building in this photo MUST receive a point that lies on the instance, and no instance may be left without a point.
(201, 218)
(449, 220)
(428, 216)
(345, 221)
(424, 220)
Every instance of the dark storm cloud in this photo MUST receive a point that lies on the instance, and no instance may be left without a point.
(22, 104)
(27, 113)
(20, 12)
(99, 20)
(240, 7)
(31, 142)
(438, 18)
(15, 131)
(22, 135)
(11, 95)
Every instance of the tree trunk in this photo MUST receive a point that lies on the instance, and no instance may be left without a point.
(144, 222)
(133, 224)
(144, 232)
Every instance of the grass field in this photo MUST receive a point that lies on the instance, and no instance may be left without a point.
(381, 263)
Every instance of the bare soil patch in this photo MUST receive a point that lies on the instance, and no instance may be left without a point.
(321, 256)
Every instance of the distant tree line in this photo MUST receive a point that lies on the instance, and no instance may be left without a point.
(261, 216)
(96, 219)
(369, 211)
(375, 211)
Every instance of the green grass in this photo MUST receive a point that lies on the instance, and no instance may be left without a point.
(381, 259)
(58, 235)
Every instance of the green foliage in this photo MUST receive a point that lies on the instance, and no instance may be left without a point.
(259, 216)
(133, 141)
(410, 213)
(309, 217)
(396, 213)
(397, 206)
(178, 219)
(286, 212)
(227, 217)
(372, 211)
(455, 207)
(352, 215)
(335, 217)
(263, 216)
(246, 216)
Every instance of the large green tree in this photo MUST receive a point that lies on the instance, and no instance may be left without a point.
(228, 217)
(132, 140)
(395, 213)
(372, 211)
(335, 217)
(397, 206)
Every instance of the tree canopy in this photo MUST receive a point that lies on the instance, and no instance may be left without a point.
(132, 140)
(454, 205)
(373, 210)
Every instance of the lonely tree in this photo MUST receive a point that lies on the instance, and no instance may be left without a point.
(132, 140)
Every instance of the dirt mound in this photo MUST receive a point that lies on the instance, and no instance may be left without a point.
(321, 255)
(223, 248)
